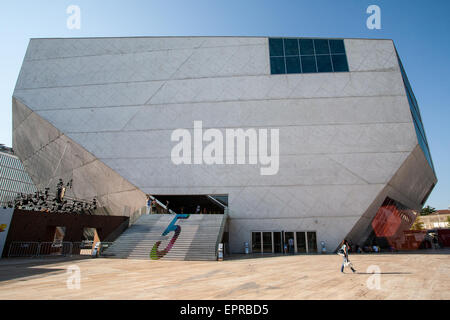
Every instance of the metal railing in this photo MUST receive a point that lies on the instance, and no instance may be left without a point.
(23, 249)
(83, 248)
(57, 248)
(221, 230)
(161, 204)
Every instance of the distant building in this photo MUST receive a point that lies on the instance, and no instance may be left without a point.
(436, 220)
(13, 177)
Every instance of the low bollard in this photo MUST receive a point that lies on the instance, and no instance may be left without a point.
(324, 249)
(246, 250)
(220, 252)
(96, 250)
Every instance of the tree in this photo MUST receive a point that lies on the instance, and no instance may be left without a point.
(448, 221)
(418, 225)
(427, 210)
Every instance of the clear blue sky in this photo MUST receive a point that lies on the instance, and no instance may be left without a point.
(419, 28)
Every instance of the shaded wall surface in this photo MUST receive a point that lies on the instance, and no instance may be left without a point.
(40, 227)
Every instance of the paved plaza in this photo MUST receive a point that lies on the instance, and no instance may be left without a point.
(401, 276)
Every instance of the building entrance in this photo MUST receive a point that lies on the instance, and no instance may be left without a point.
(284, 242)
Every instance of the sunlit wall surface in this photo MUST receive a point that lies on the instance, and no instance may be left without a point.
(13, 178)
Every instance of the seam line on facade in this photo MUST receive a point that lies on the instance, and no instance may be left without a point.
(242, 127)
(145, 51)
(209, 78)
(287, 154)
(214, 101)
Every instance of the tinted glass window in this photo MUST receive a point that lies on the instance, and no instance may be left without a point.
(289, 55)
(306, 46)
(293, 65)
(291, 47)
(308, 64)
(276, 47)
(324, 63)
(339, 62)
(321, 46)
(337, 46)
(277, 65)
(420, 132)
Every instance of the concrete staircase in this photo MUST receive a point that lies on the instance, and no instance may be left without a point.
(196, 241)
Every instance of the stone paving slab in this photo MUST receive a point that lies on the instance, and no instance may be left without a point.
(402, 276)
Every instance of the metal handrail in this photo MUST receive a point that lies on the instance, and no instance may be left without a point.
(217, 202)
(160, 203)
(221, 230)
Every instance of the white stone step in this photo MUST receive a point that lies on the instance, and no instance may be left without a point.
(197, 240)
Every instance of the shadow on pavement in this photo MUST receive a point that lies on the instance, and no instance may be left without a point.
(6, 275)
(382, 272)
(18, 268)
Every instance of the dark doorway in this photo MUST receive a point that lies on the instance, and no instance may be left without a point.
(208, 204)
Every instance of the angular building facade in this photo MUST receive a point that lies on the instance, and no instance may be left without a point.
(103, 112)
(13, 177)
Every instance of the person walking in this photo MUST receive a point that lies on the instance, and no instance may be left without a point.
(154, 206)
(291, 245)
(149, 202)
(343, 251)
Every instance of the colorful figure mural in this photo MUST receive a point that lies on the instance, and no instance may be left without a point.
(156, 254)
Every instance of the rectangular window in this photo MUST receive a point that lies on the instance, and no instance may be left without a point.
(321, 46)
(292, 55)
(277, 65)
(339, 62)
(276, 47)
(293, 65)
(291, 47)
(306, 47)
(324, 63)
(337, 46)
(309, 64)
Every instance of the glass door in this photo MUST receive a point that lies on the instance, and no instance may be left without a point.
(312, 242)
(301, 242)
(277, 242)
(256, 242)
(289, 241)
(267, 242)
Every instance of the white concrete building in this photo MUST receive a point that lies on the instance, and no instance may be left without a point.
(101, 111)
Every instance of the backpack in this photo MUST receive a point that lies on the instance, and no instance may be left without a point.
(341, 251)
